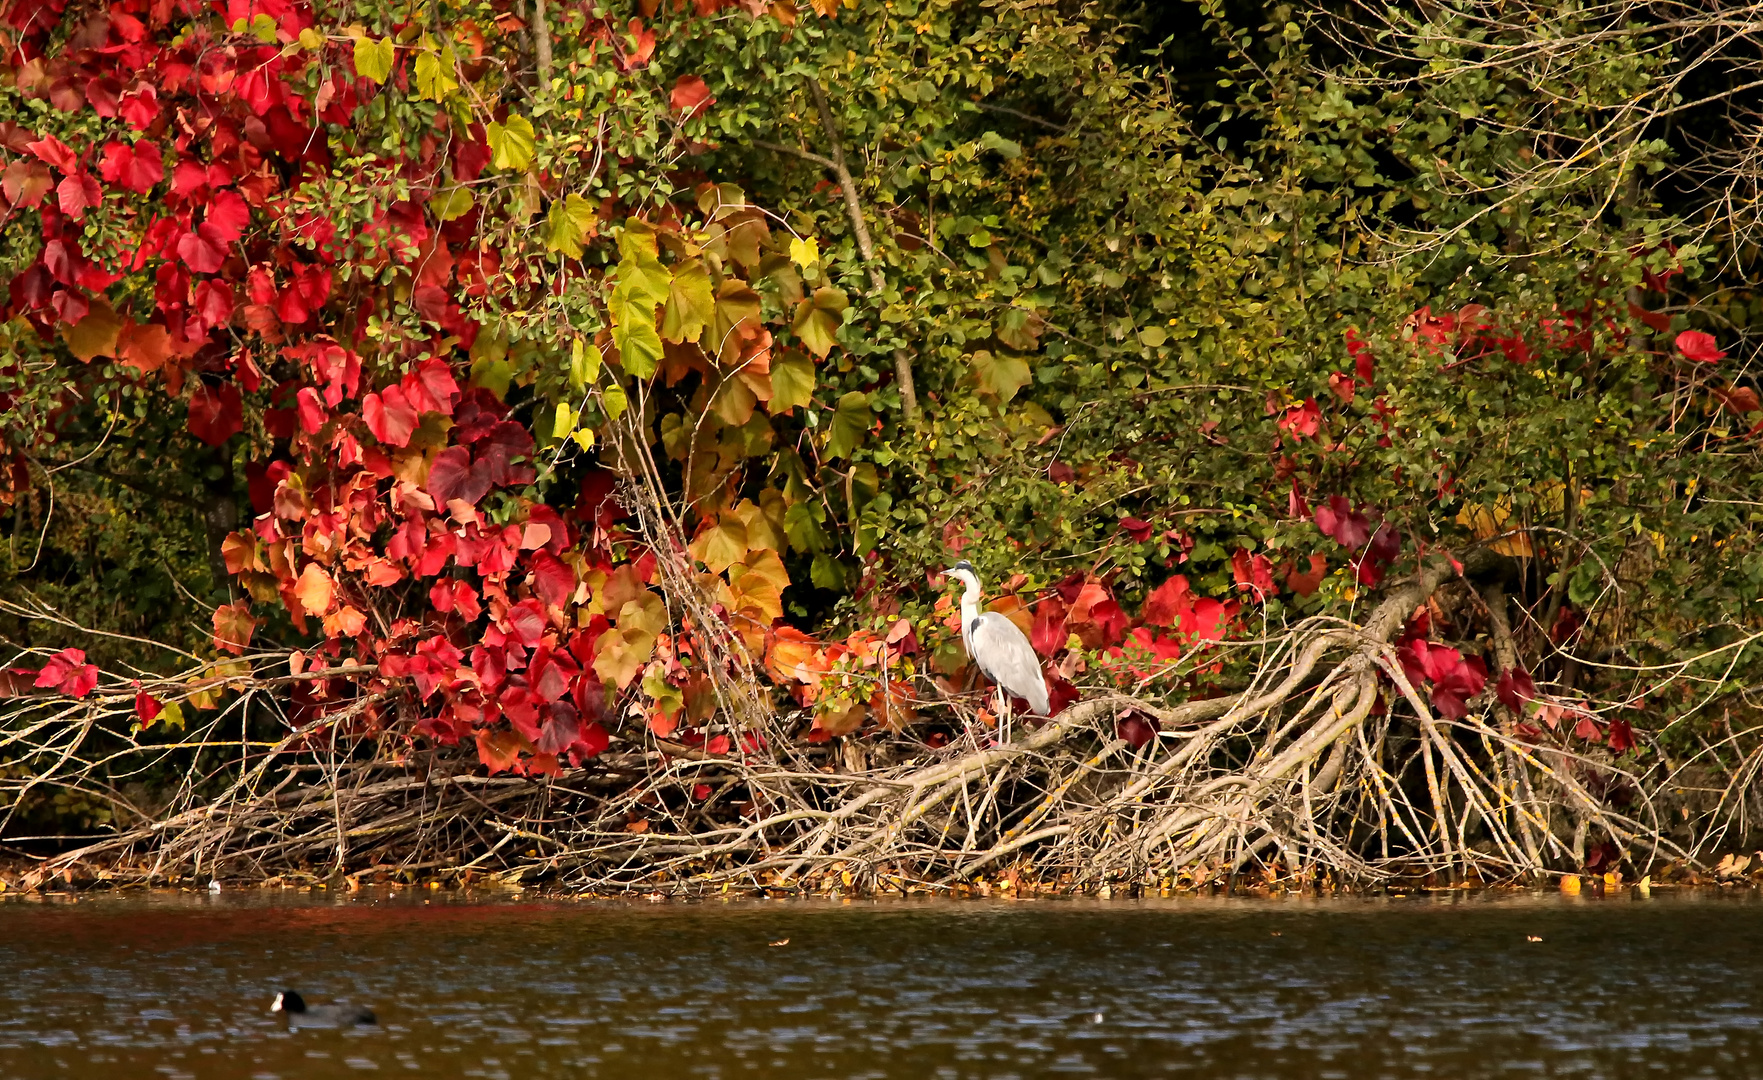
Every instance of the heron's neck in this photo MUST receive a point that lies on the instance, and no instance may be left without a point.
(970, 604)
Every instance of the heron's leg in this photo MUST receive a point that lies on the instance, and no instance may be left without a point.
(1003, 716)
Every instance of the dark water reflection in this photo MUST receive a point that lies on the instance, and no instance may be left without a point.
(1350, 989)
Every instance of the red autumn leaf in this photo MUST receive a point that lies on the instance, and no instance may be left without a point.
(78, 193)
(1621, 736)
(1515, 688)
(430, 388)
(1137, 528)
(201, 252)
(52, 151)
(1303, 420)
(1137, 729)
(147, 709)
(1343, 386)
(1738, 399)
(552, 579)
(1253, 573)
(1170, 604)
(690, 96)
(233, 627)
(216, 413)
(389, 416)
(136, 167)
(1699, 346)
(214, 302)
(1049, 635)
(226, 217)
(25, 183)
(1306, 583)
(1588, 729)
(68, 672)
(140, 106)
(454, 476)
(700, 792)
(311, 410)
(526, 621)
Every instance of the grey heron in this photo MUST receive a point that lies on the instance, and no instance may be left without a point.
(1001, 650)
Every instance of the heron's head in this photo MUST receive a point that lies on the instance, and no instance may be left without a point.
(963, 572)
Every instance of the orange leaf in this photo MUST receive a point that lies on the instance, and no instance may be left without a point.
(233, 626)
(314, 590)
(344, 622)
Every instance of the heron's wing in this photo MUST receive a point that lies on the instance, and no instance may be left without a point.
(1003, 653)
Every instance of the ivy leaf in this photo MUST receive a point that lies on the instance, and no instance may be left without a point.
(614, 401)
(570, 221)
(1000, 376)
(434, 75)
(584, 364)
(792, 382)
(691, 303)
(314, 590)
(511, 144)
(620, 653)
(639, 346)
(216, 414)
(722, 545)
(455, 202)
(233, 627)
(804, 252)
(818, 318)
(850, 423)
(373, 59)
(991, 140)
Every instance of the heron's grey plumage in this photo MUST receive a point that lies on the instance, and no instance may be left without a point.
(1000, 650)
(1004, 655)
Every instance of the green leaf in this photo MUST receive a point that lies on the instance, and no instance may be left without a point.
(452, 203)
(818, 318)
(827, 573)
(639, 346)
(640, 273)
(802, 526)
(991, 140)
(691, 303)
(1000, 376)
(564, 423)
(373, 59)
(1019, 329)
(434, 74)
(792, 381)
(493, 374)
(263, 28)
(850, 423)
(1153, 336)
(511, 144)
(568, 224)
(172, 716)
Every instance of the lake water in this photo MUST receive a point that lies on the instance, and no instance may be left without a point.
(180, 986)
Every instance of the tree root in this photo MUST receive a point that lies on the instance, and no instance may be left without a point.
(1306, 772)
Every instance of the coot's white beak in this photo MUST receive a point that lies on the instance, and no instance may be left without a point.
(276, 1006)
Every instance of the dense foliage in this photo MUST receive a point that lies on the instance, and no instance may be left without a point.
(533, 376)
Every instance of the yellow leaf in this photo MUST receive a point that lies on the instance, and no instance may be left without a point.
(722, 545)
(453, 203)
(373, 59)
(511, 144)
(804, 252)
